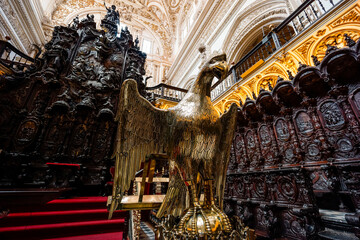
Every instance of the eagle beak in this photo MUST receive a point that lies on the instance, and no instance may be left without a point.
(221, 70)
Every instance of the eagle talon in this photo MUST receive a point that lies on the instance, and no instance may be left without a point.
(223, 218)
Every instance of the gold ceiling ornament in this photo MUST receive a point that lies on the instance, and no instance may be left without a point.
(69, 6)
(197, 142)
(320, 33)
(274, 69)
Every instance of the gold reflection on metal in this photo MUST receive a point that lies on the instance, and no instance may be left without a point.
(196, 142)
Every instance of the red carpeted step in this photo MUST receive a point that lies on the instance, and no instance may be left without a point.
(77, 203)
(36, 218)
(101, 236)
(73, 219)
(61, 229)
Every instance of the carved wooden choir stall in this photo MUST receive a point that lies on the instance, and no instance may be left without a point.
(57, 110)
(296, 149)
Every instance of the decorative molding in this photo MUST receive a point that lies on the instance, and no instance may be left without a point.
(351, 16)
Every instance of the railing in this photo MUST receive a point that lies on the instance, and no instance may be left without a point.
(303, 17)
(167, 92)
(221, 86)
(14, 59)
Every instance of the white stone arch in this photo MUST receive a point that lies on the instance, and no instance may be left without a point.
(249, 23)
(184, 14)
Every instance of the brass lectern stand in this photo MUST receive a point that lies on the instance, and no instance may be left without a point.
(141, 201)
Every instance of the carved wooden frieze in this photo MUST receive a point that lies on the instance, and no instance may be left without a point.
(309, 143)
(354, 99)
(341, 138)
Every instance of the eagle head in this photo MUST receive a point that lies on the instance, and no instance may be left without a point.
(216, 66)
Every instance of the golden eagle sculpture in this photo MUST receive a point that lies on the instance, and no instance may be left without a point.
(197, 141)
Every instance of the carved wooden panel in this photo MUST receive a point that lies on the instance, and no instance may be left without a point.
(287, 141)
(269, 148)
(253, 149)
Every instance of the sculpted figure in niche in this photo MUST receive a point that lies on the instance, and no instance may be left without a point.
(357, 100)
(264, 135)
(75, 23)
(304, 124)
(282, 130)
(332, 114)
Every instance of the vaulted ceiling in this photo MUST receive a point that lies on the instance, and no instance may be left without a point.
(160, 16)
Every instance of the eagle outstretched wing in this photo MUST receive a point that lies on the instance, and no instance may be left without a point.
(142, 130)
(176, 198)
(228, 121)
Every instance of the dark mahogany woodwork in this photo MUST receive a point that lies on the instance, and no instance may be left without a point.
(296, 149)
(57, 116)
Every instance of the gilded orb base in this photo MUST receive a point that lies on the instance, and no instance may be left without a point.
(208, 222)
(204, 224)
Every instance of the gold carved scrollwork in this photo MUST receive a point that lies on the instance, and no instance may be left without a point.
(288, 62)
(352, 16)
(229, 102)
(303, 49)
(274, 69)
(334, 39)
(320, 33)
(264, 83)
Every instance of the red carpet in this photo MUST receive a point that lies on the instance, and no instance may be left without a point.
(67, 219)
